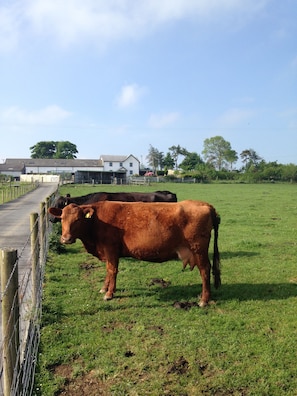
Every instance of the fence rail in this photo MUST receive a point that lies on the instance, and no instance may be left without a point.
(21, 306)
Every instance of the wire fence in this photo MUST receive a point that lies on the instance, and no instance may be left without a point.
(21, 306)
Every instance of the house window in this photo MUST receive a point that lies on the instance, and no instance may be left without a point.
(131, 173)
(121, 164)
(110, 164)
(131, 164)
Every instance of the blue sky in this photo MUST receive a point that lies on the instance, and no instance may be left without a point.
(116, 76)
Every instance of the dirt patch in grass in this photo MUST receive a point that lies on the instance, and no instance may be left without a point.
(160, 282)
(180, 366)
(83, 385)
(89, 264)
(184, 305)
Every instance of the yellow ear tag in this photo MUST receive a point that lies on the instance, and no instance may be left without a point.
(88, 215)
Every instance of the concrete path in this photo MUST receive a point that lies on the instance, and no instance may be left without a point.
(15, 222)
(15, 216)
(15, 234)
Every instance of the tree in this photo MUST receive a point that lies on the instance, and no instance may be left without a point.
(250, 157)
(289, 172)
(153, 157)
(217, 151)
(51, 149)
(271, 171)
(65, 150)
(231, 157)
(176, 151)
(168, 161)
(160, 159)
(191, 161)
(43, 150)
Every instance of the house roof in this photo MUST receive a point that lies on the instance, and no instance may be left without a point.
(15, 164)
(116, 158)
(63, 162)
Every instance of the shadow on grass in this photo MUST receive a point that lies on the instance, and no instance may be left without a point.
(237, 291)
(177, 294)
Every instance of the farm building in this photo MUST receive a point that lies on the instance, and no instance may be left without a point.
(108, 169)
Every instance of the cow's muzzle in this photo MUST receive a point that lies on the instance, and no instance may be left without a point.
(67, 240)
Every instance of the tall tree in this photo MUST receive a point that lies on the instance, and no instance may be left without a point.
(160, 157)
(217, 152)
(176, 151)
(43, 150)
(231, 157)
(250, 157)
(65, 150)
(168, 161)
(153, 157)
(51, 149)
(245, 157)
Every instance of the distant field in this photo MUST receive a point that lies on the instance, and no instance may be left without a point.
(141, 344)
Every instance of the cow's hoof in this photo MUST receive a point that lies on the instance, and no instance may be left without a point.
(202, 304)
(107, 297)
(103, 290)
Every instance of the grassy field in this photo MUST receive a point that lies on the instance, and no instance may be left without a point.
(143, 343)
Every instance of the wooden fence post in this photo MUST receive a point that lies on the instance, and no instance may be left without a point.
(10, 317)
(42, 232)
(34, 255)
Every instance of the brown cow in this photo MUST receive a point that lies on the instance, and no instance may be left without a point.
(154, 232)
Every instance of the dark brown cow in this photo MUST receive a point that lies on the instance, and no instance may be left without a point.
(157, 196)
(154, 232)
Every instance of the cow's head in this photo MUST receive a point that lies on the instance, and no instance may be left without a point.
(60, 203)
(63, 201)
(74, 221)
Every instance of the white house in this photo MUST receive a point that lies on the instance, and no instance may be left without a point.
(119, 163)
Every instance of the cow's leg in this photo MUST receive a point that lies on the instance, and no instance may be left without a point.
(104, 288)
(204, 269)
(110, 280)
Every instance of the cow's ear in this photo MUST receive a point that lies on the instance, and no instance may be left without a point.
(56, 212)
(89, 213)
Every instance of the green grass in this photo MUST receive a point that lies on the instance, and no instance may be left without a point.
(140, 344)
(13, 190)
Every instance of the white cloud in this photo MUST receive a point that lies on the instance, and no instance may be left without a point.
(70, 22)
(130, 95)
(46, 116)
(234, 117)
(163, 120)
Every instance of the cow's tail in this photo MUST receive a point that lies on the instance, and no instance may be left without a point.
(216, 271)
